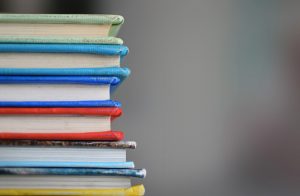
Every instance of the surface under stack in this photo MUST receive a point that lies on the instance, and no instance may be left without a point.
(57, 74)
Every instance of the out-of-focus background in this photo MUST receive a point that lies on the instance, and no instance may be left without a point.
(213, 96)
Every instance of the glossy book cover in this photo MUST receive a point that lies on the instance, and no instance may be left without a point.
(138, 173)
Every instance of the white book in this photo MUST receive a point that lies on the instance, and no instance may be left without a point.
(63, 182)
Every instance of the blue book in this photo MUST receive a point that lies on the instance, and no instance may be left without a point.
(99, 49)
(138, 173)
(57, 91)
(60, 59)
(45, 164)
(120, 72)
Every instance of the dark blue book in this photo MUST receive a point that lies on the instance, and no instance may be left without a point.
(57, 91)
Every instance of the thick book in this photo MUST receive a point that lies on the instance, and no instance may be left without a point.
(55, 143)
(56, 88)
(137, 190)
(19, 55)
(65, 25)
(137, 173)
(55, 121)
(63, 151)
(62, 154)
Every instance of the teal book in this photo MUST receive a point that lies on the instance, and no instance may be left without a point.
(60, 55)
(138, 173)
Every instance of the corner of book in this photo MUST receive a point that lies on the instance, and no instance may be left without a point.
(137, 190)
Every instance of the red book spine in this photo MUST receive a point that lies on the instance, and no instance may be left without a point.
(114, 112)
(96, 136)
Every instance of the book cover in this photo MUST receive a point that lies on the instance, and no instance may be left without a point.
(116, 165)
(104, 103)
(99, 111)
(88, 136)
(60, 40)
(98, 49)
(114, 20)
(54, 143)
(138, 173)
(137, 190)
(88, 80)
(120, 72)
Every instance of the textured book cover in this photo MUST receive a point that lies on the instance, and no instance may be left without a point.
(113, 112)
(87, 136)
(60, 40)
(137, 190)
(104, 103)
(87, 80)
(114, 20)
(138, 173)
(53, 143)
(120, 72)
(98, 49)
(116, 165)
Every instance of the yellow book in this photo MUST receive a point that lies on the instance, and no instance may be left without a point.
(137, 190)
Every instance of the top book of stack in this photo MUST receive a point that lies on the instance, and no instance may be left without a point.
(28, 28)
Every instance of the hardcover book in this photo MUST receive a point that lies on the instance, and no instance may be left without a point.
(65, 164)
(137, 190)
(57, 122)
(18, 55)
(56, 88)
(62, 154)
(138, 173)
(66, 151)
(59, 40)
(78, 25)
(54, 143)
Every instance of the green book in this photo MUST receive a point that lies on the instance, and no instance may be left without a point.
(83, 28)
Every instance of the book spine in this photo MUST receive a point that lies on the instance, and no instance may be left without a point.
(99, 111)
(138, 173)
(94, 136)
(137, 190)
(53, 143)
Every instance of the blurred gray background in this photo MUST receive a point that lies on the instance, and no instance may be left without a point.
(178, 100)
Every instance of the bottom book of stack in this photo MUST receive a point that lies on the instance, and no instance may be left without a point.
(41, 167)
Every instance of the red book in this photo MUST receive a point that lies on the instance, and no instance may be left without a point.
(59, 123)
(100, 136)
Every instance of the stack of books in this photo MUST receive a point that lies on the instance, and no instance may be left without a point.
(57, 73)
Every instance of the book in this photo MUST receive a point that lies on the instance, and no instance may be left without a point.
(64, 164)
(59, 40)
(66, 151)
(62, 154)
(56, 88)
(56, 120)
(120, 72)
(18, 55)
(82, 25)
(102, 103)
(86, 136)
(137, 190)
(54, 143)
(138, 173)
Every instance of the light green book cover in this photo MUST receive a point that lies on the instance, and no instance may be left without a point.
(60, 40)
(114, 20)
